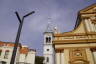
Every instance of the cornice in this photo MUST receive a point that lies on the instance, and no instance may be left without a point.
(74, 41)
(74, 34)
(87, 8)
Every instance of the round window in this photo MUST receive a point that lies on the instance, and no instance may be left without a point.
(78, 54)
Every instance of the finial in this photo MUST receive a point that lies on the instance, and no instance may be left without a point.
(56, 30)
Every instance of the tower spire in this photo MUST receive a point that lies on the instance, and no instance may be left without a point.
(49, 26)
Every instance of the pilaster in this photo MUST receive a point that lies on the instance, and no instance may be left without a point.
(66, 56)
(89, 56)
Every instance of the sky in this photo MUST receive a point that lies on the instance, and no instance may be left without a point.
(62, 13)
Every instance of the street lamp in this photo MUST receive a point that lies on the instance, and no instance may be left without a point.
(18, 35)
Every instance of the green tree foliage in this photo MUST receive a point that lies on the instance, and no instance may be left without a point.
(39, 60)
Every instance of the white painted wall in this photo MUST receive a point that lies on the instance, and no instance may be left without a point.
(49, 46)
(4, 48)
(27, 58)
(31, 57)
(22, 57)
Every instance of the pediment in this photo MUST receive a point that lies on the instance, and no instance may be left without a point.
(89, 9)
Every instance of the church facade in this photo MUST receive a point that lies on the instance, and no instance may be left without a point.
(79, 45)
(75, 47)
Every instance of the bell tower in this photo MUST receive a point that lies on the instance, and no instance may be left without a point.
(48, 49)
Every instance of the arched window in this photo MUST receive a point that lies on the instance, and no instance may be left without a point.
(47, 59)
(48, 39)
(6, 54)
(0, 52)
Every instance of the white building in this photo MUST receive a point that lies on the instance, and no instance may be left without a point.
(22, 55)
(48, 49)
(27, 56)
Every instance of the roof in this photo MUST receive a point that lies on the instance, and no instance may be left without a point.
(10, 44)
(23, 49)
